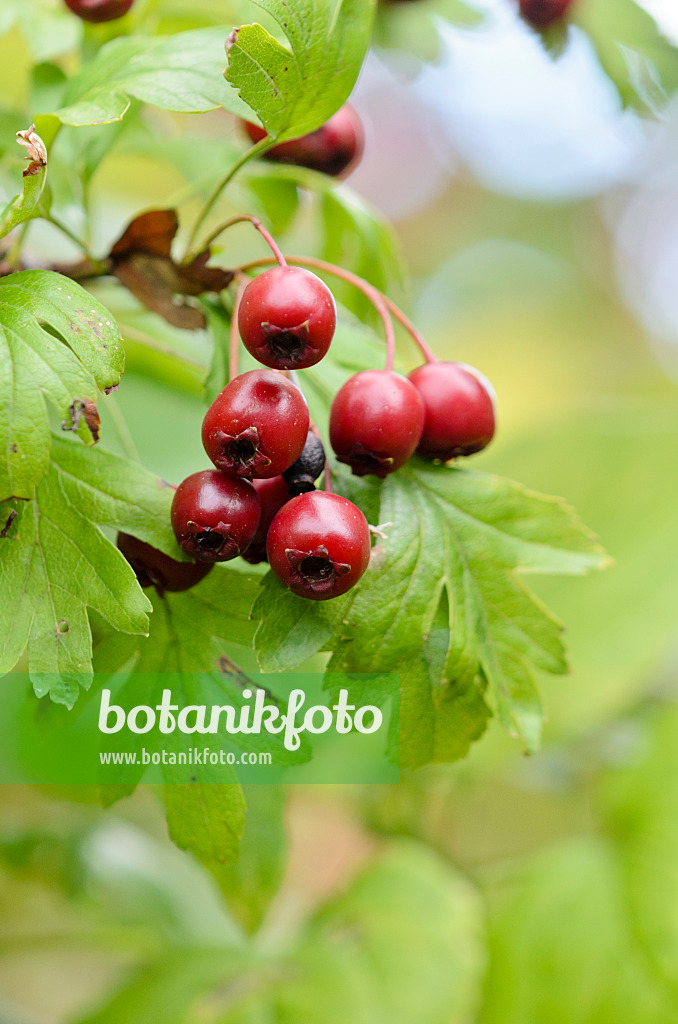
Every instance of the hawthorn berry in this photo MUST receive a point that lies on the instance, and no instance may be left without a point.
(319, 545)
(214, 517)
(542, 13)
(333, 148)
(302, 475)
(287, 318)
(257, 426)
(376, 422)
(273, 494)
(459, 405)
(99, 10)
(154, 568)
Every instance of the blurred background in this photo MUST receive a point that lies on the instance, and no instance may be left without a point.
(537, 219)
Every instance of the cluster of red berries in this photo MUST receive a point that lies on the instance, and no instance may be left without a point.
(260, 499)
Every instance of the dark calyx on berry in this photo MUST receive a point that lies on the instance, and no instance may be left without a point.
(272, 494)
(459, 406)
(319, 545)
(214, 517)
(257, 426)
(287, 318)
(98, 11)
(301, 476)
(153, 568)
(376, 422)
(333, 148)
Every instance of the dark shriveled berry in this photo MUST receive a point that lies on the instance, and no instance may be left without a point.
(98, 11)
(459, 405)
(319, 545)
(257, 426)
(301, 477)
(272, 494)
(333, 149)
(287, 318)
(214, 517)
(153, 568)
(376, 422)
(543, 13)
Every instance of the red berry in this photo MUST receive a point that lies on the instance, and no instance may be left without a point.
(273, 494)
(319, 545)
(287, 318)
(156, 569)
(376, 422)
(257, 426)
(99, 10)
(214, 517)
(542, 13)
(459, 404)
(333, 148)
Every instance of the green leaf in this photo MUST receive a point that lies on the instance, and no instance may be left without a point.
(290, 628)
(49, 30)
(56, 342)
(469, 536)
(23, 207)
(204, 818)
(252, 879)
(403, 944)
(294, 90)
(182, 72)
(564, 943)
(55, 563)
(641, 62)
(190, 631)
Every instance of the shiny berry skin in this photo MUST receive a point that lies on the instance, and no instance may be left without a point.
(333, 148)
(99, 10)
(376, 422)
(287, 318)
(153, 568)
(301, 477)
(257, 426)
(214, 517)
(272, 494)
(542, 13)
(319, 545)
(459, 404)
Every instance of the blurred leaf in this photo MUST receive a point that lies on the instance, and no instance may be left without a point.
(49, 29)
(294, 91)
(56, 342)
(564, 946)
(414, 28)
(641, 62)
(640, 807)
(252, 879)
(204, 818)
(181, 72)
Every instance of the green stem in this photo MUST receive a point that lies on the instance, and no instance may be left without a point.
(65, 230)
(122, 429)
(255, 150)
(14, 252)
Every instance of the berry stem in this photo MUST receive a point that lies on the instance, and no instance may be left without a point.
(253, 151)
(256, 223)
(234, 348)
(378, 300)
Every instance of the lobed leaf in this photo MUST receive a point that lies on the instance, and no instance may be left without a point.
(55, 563)
(294, 89)
(56, 343)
